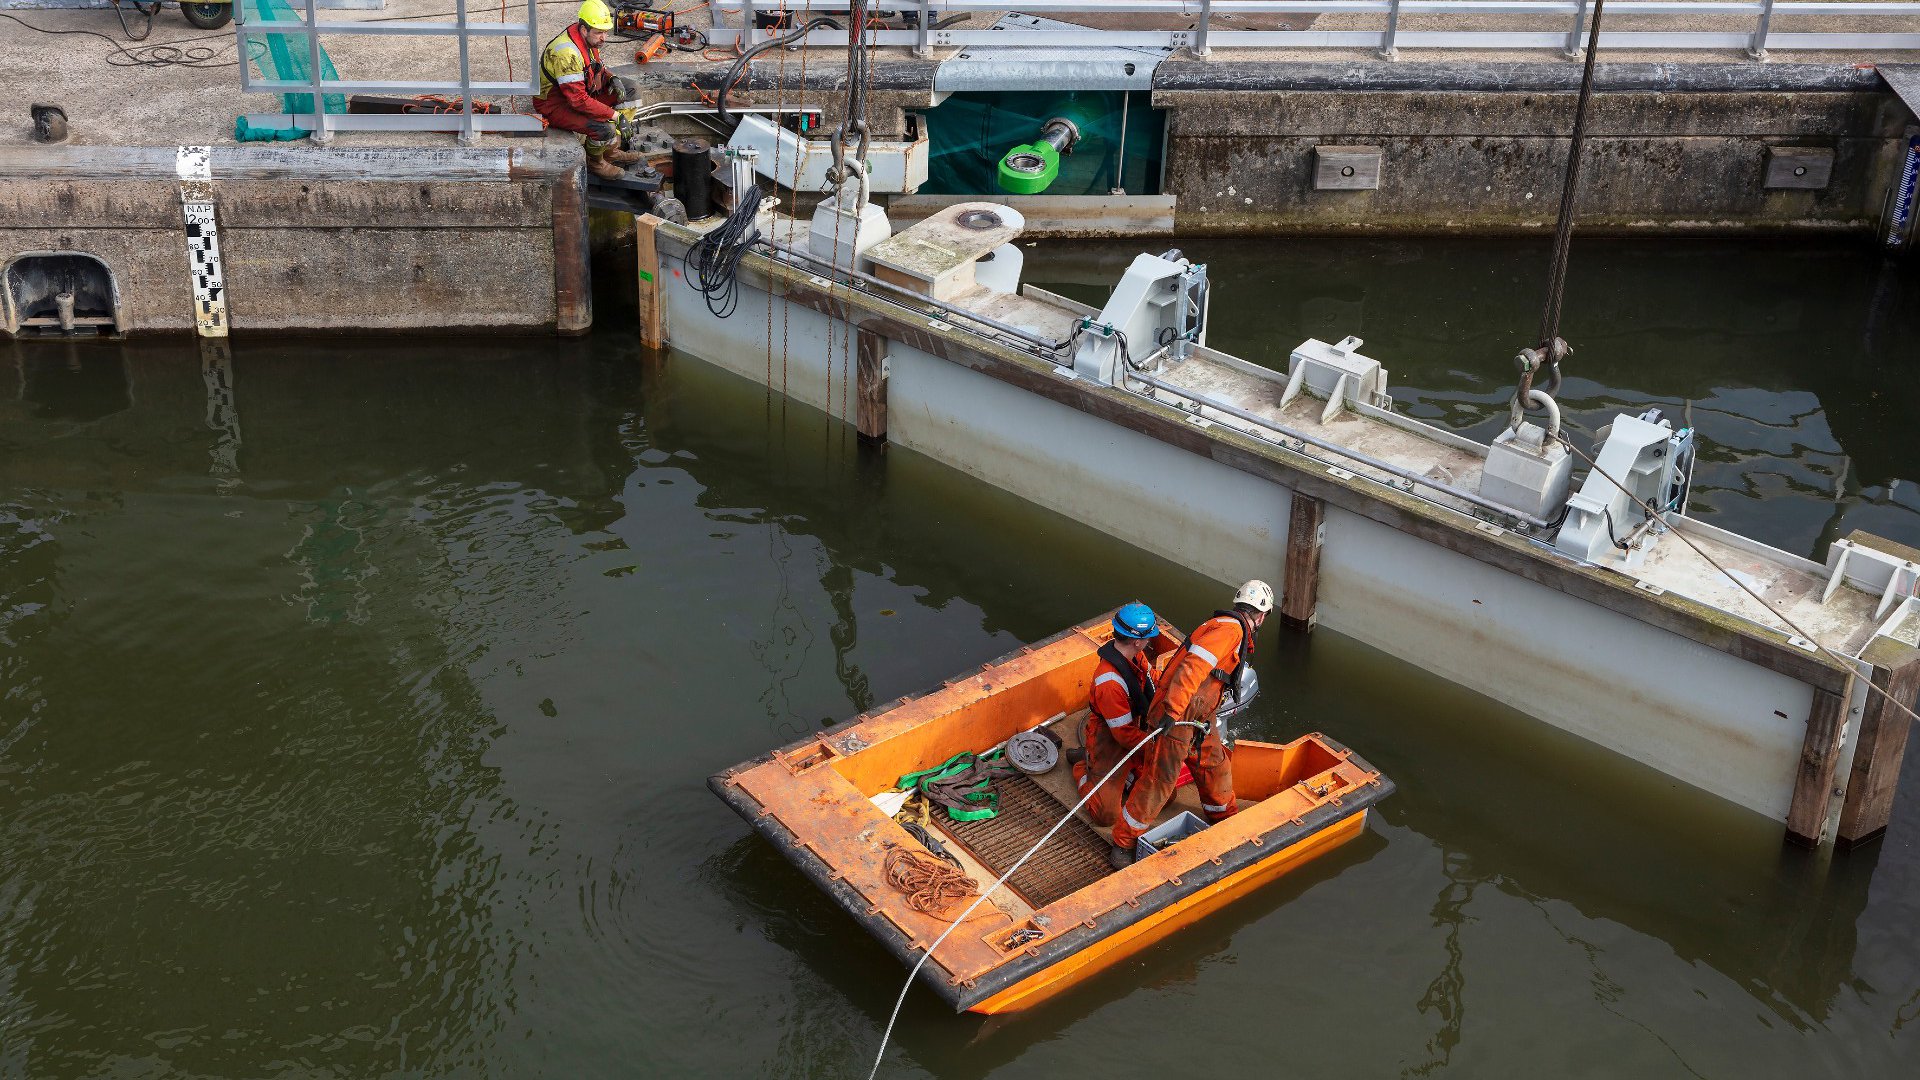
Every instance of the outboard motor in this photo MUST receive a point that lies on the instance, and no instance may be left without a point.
(1235, 702)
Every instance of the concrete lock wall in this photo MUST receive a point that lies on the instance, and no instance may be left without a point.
(1672, 148)
(1472, 146)
(344, 240)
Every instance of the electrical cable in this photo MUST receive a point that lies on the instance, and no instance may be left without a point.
(712, 264)
(158, 54)
(739, 68)
(146, 28)
(995, 887)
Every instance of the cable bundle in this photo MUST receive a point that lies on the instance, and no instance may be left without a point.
(713, 263)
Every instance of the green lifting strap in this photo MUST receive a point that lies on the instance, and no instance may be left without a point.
(985, 802)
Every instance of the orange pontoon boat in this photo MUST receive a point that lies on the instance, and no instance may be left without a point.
(1066, 913)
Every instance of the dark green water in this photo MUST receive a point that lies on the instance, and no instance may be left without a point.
(361, 728)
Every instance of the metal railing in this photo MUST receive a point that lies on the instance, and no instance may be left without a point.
(462, 119)
(1561, 25)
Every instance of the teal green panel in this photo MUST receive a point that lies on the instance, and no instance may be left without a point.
(285, 56)
(969, 133)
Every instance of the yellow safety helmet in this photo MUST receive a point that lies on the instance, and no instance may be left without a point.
(597, 14)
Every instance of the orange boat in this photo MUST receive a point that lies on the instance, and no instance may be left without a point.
(1065, 914)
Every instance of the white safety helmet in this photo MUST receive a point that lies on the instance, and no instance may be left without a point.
(1257, 595)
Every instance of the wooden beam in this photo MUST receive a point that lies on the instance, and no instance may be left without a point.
(870, 417)
(572, 257)
(1819, 760)
(1300, 582)
(1875, 775)
(653, 306)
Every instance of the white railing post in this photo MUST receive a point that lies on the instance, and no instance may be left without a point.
(466, 76)
(535, 49)
(924, 31)
(1389, 45)
(1757, 48)
(1572, 50)
(1200, 47)
(322, 130)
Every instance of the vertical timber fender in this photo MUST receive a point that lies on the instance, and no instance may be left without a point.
(872, 370)
(1819, 761)
(572, 254)
(650, 283)
(1300, 585)
(1875, 773)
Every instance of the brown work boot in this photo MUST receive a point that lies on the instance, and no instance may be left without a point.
(603, 169)
(623, 157)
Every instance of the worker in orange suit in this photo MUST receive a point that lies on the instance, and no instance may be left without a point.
(1117, 710)
(1185, 709)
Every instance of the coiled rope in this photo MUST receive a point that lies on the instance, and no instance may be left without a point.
(931, 884)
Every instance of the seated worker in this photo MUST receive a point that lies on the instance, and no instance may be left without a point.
(578, 93)
(1117, 708)
(1191, 686)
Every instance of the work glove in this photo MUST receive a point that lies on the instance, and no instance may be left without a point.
(625, 89)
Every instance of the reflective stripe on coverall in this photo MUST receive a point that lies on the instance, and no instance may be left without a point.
(1115, 708)
(576, 92)
(1191, 693)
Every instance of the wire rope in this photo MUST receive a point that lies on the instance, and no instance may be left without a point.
(1563, 229)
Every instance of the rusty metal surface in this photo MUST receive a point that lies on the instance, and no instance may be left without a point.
(1072, 859)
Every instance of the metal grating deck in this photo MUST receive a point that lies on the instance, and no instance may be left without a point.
(1075, 858)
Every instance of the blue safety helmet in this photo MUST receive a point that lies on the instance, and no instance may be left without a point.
(1135, 621)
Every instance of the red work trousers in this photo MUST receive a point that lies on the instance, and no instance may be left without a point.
(599, 135)
(1210, 763)
(1103, 752)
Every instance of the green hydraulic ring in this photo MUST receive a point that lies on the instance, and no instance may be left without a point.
(1031, 168)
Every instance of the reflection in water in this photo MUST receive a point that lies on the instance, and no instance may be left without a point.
(390, 760)
(1445, 998)
(223, 415)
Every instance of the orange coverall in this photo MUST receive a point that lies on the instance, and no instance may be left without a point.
(1117, 709)
(1190, 692)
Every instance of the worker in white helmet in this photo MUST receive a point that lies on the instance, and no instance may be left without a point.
(1185, 707)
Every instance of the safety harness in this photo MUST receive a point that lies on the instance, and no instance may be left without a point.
(594, 75)
(1139, 689)
(1244, 651)
(963, 784)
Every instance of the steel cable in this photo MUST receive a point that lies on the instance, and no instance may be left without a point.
(1563, 230)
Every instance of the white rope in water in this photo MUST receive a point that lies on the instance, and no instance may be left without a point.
(989, 891)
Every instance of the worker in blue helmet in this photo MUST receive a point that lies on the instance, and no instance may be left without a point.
(1117, 703)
